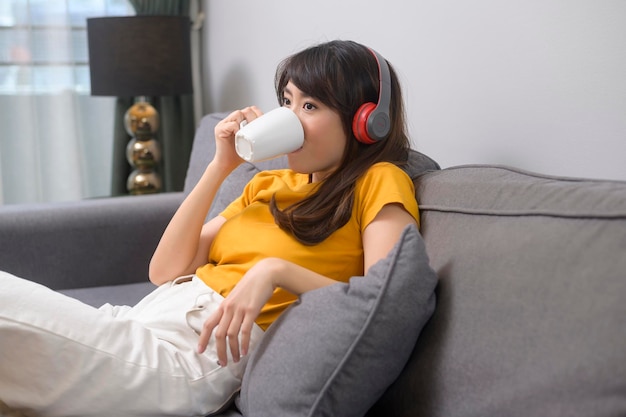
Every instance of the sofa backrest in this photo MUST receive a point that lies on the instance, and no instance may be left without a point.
(204, 149)
(530, 317)
(531, 312)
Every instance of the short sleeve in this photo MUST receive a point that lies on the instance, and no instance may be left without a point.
(384, 183)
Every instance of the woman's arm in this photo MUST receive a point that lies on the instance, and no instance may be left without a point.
(383, 233)
(236, 315)
(185, 243)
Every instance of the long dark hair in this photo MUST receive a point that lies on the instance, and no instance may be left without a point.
(343, 75)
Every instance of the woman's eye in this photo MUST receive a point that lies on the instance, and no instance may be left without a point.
(309, 106)
(286, 101)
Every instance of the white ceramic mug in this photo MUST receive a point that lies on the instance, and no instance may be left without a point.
(275, 133)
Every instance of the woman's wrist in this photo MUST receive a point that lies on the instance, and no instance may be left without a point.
(275, 269)
(292, 277)
(217, 171)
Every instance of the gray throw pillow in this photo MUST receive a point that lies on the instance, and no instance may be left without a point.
(336, 350)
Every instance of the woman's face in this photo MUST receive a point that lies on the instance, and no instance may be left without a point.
(324, 137)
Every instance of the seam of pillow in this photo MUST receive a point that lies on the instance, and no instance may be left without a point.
(366, 324)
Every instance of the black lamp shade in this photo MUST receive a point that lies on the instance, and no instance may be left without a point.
(139, 55)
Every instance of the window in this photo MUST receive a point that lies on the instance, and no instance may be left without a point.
(43, 43)
(55, 139)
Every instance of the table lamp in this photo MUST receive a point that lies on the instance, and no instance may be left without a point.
(140, 56)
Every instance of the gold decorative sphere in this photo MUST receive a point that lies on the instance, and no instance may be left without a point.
(143, 182)
(143, 154)
(141, 120)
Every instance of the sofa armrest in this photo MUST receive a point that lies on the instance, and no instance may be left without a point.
(107, 241)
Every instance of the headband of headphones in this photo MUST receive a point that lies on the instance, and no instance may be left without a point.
(371, 122)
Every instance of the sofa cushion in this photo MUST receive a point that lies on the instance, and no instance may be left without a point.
(337, 349)
(531, 318)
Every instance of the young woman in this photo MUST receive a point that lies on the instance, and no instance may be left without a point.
(181, 351)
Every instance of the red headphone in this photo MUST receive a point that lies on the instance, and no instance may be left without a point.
(371, 121)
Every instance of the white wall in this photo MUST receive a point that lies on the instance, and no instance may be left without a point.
(536, 84)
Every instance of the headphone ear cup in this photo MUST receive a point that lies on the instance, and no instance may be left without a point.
(359, 123)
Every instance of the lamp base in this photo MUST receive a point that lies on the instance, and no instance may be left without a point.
(143, 152)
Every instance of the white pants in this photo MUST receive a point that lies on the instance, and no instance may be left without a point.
(60, 357)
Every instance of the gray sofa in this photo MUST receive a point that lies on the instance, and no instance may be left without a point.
(530, 317)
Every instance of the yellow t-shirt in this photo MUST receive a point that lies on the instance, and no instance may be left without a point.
(250, 233)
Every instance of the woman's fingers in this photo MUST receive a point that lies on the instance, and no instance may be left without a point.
(251, 113)
(221, 336)
(246, 334)
(227, 328)
(233, 337)
(225, 132)
(247, 114)
(207, 330)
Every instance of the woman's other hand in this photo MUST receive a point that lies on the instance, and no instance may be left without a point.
(232, 322)
(235, 317)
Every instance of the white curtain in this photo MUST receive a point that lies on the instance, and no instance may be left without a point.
(55, 139)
